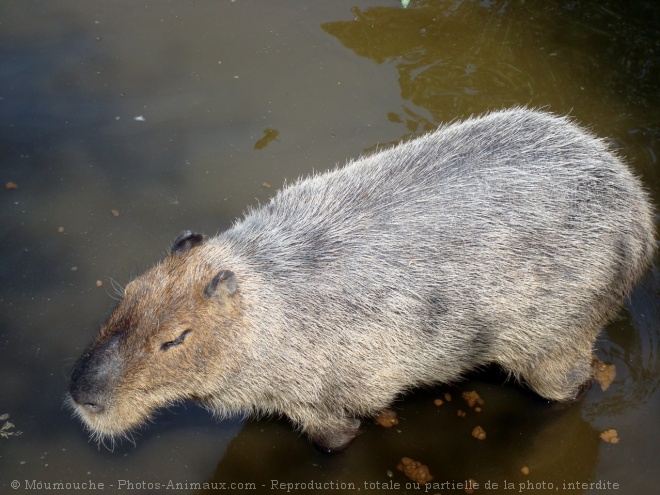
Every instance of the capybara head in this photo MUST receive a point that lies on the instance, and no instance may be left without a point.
(164, 342)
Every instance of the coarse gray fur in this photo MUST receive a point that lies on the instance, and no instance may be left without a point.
(510, 238)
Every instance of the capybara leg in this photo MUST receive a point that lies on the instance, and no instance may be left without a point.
(562, 376)
(336, 438)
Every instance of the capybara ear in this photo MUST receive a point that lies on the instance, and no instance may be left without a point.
(186, 241)
(224, 283)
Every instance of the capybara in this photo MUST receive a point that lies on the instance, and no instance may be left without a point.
(510, 238)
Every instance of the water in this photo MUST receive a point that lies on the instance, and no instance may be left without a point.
(123, 123)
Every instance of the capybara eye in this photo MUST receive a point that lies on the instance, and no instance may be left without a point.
(177, 341)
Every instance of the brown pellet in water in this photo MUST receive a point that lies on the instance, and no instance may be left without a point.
(610, 436)
(479, 433)
(415, 470)
(472, 398)
(604, 373)
(387, 418)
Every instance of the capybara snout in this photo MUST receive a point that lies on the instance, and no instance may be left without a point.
(94, 376)
(510, 238)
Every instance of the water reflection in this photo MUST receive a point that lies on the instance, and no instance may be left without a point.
(521, 432)
(456, 57)
(633, 346)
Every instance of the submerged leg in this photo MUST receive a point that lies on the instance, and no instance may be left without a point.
(564, 375)
(333, 436)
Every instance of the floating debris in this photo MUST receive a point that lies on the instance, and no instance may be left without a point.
(604, 373)
(387, 419)
(479, 433)
(610, 436)
(269, 135)
(415, 470)
(473, 399)
(5, 431)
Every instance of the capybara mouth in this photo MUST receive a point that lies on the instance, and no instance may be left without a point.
(104, 423)
(94, 396)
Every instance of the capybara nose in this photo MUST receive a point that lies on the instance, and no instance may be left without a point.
(91, 405)
(93, 408)
(91, 382)
(91, 402)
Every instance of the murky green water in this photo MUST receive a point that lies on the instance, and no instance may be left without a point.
(123, 123)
